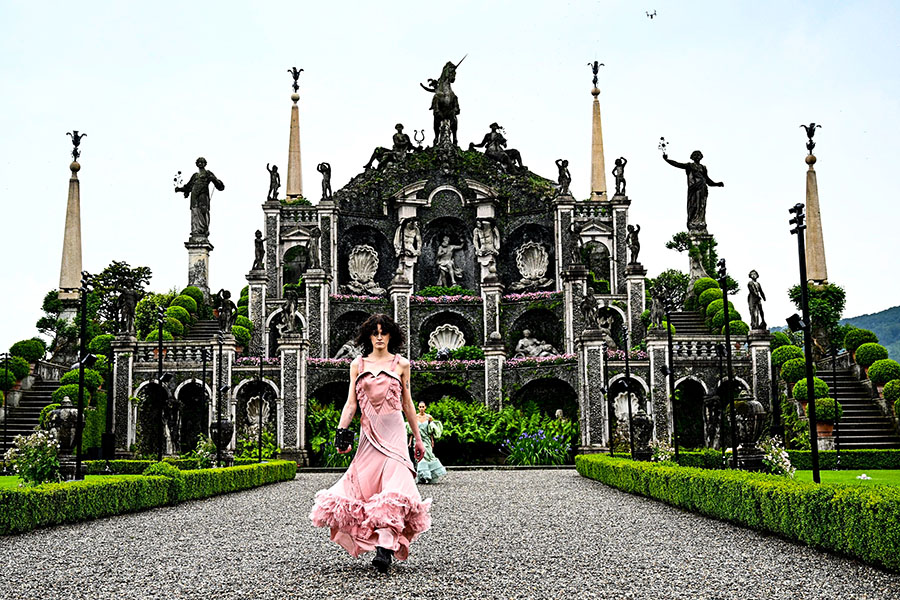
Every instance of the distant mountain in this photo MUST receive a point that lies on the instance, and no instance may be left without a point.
(885, 324)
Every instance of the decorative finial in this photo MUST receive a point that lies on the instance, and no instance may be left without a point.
(810, 132)
(417, 132)
(295, 73)
(663, 144)
(76, 141)
(650, 15)
(595, 67)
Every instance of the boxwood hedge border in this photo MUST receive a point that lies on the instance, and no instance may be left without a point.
(851, 460)
(863, 522)
(24, 509)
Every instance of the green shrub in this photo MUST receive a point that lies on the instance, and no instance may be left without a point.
(703, 284)
(241, 335)
(737, 328)
(891, 390)
(194, 293)
(92, 379)
(35, 458)
(248, 447)
(853, 460)
(242, 311)
(855, 520)
(7, 380)
(820, 389)
(718, 321)
(857, 337)
(537, 449)
(71, 390)
(186, 302)
(782, 354)
(175, 476)
(794, 370)
(101, 344)
(321, 421)
(173, 326)
(94, 422)
(179, 314)
(244, 322)
(663, 326)
(44, 417)
(828, 410)
(713, 307)
(102, 365)
(31, 350)
(145, 313)
(883, 371)
(243, 301)
(245, 291)
(153, 336)
(779, 340)
(709, 295)
(439, 290)
(461, 353)
(868, 353)
(17, 365)
(897, 407)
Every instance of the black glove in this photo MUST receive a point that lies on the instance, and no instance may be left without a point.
(343, 438)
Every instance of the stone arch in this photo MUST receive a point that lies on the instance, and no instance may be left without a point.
(544, 326)
(547, 395)
(689, 412)
(294, 262)
(148, 417)
(509, 271)
(459, 233)
(617, 393)
(435, 392)
(243, 393)
(193, 401)
(333, 393)
(344, 329)
(446, 317)
(370, 236)
(598, 258)
(273, 329)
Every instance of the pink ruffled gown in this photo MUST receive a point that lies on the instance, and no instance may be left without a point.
(376, 502)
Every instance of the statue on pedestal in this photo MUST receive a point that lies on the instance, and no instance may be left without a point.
(589, 309)
(127, 302)
(754, 300)
(408, 239)
(619, 173)
(227, 311)
(494, 145)
(698, 180)
(657, 313)
(529, 346)
(274, 182)
(290, 311)
(444, 103)
(197, 188)
(633, 242)
(312, 249)
(447, 269)
(565, 178)
(259, 252)
(605, 323)
(486, 239)
(402, 146)
(325, 169)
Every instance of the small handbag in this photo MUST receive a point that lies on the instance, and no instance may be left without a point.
(343, 438)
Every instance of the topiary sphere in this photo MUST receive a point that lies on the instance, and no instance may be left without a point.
(857, 337)
(718, 321)
(179, 313)
(92, 379)
(173, 326)
(7, 380)
(244, 322)
(153, 336)
(709, 295)
(245, 291)
(101, 344)
(737, 328)
(243, 301)
(820, 389)
(71, 390)
(793, 370)
(703, 284)
(243, 311)
(868, 353)
(713, 307)
(779, 339)
(883, 371)
(645, 318)
(892, 390)
(241, 335)
(194, 292)
(828, 410)
(31, 350)
(17, 365)
(185, 302)
(782, 354)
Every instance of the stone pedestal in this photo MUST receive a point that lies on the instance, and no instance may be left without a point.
(256, 310)
(272, 215)
(491, 292)
(494, 357)
(619, 206)
(658, 351)
(198, 265)
(761, 356)
(593, 409)
(634, 290)
(294, 351)
(123, 348)
(399, 291)
(317, 298)
(574, 291)
(328, 242)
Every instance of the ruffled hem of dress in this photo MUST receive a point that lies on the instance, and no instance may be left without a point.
(401, 513)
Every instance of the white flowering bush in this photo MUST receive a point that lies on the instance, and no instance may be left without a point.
(35, 458)
(661, 451)
(775, 457)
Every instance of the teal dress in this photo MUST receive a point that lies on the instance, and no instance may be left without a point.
(429, 469)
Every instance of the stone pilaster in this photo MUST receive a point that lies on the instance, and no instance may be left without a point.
(328, 241)
(294, 170)
(400, 290)
(317, 298)
(222, 363)
(761, 363)
(256, 310)
(593, 417)
(494, 357)
(198, 265)
(123, 357)
(293, 351)
(574, 290)
(564, 215)
(272, 215)
(816, 270)
(658, 350)
(634, 290)
(598, 166)
(620, 206)
(70, 268)
(491, 292)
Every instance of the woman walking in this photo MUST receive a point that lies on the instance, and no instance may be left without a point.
(428, 469)
(375, 505)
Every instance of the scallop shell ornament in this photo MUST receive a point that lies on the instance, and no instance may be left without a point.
(446, 336)
(363, 263)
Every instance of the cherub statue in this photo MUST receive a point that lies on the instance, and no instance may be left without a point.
(259, 252)
(565, 178)
(633, 242)
(325, 169)
(274, 182)
(619, 173)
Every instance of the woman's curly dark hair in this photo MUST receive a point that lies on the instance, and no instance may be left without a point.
(370, 326)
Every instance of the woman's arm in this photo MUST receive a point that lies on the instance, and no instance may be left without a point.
(409, 410)
(349, 410)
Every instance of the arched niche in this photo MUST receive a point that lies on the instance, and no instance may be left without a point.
(344, 329)
(294, 264)
(149, 418)
(618, 393)
(274, 325)
(247, 394)
(360, 235)
(689, 417)
(446, 317)
(529, 232)
(544, 326)
(597, 257)
(459, 233)
(546, 396)
(194, 406)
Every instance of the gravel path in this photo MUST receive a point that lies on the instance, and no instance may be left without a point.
(496, 534)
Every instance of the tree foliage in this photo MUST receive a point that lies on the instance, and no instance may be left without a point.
(109, 284)
(671, 284)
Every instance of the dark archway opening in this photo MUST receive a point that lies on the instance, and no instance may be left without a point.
(689, 395)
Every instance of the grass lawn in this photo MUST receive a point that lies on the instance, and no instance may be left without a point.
(879, 477)
(12, 481)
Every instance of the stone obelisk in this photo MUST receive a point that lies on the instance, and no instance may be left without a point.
(816, 271)
(294, 173)
(598, 167)
(70, 268)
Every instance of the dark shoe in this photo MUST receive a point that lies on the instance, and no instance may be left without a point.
(383, 558)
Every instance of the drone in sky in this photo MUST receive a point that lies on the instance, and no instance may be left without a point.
(650, 15)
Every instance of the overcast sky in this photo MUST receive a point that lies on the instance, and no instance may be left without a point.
(155, 85)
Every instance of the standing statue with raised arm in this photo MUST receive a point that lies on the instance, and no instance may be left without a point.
(755, 299)
(444, 104)
(259, 252)
(565, 178)
(633, 242)
(274, 182)
(325, 169)
(697, 193)
(197, 188)
(619, 173)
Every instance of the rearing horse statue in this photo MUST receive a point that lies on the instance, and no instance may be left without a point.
(444, 104)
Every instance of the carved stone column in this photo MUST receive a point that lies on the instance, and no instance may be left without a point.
(491, 292)
(658, 351)
(317, 298)
(198, 265)
(293, 350)
(564, 214)
(272, 214)
(634, 290)
(574, 290)
(494, 357)
(619, 205)
(123, 425)
(592, 403)
(761, 356)
(256, 310)
(399, 290)
(328, 241)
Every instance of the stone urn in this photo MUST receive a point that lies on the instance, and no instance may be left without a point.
(751, 418)
(63, 420)
(227, 429)
(642, 427)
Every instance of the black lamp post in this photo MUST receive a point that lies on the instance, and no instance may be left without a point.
(161, 319)
(628, 391)
(669, 372)
(610, 408)
(796, 323)
(723, 283)
(219, 391)
(82, 358)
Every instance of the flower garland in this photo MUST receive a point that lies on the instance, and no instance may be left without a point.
(534, 361)
(358, 298)
(444, 299)
(532, 296)
(254, 361)
(329, 362)
(447, 365)
(620, 355)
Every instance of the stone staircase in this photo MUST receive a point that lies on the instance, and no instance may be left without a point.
(22, 419)
(862, 424)
(203, 331)
(688, 323)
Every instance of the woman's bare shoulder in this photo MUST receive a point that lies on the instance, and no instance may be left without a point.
(403, 362)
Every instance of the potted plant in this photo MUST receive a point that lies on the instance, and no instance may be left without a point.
(828, 411)
(820, 390)
(883, 371)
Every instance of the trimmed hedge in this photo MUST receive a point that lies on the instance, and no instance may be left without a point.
(782, 354)
(854, 520)
(180, 314)
(825, 410)
(71, 390)
(709, 295)
(851, 460)
(186, 302)
(24, 509)
(737, 328)
(241, 335)
(857, 337)
(794, 370)
(718, 321)
(92, 380)
(868, 353)
(244, 322)
(101, 344)
(715, 306)
(153, 336)
(17, 365)
(243, 311)
(31, 350)
(820, 389)
(136, 467)
(892, 390)
(703, 284)
(193, 292)
(883, 371)
(779, 339)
